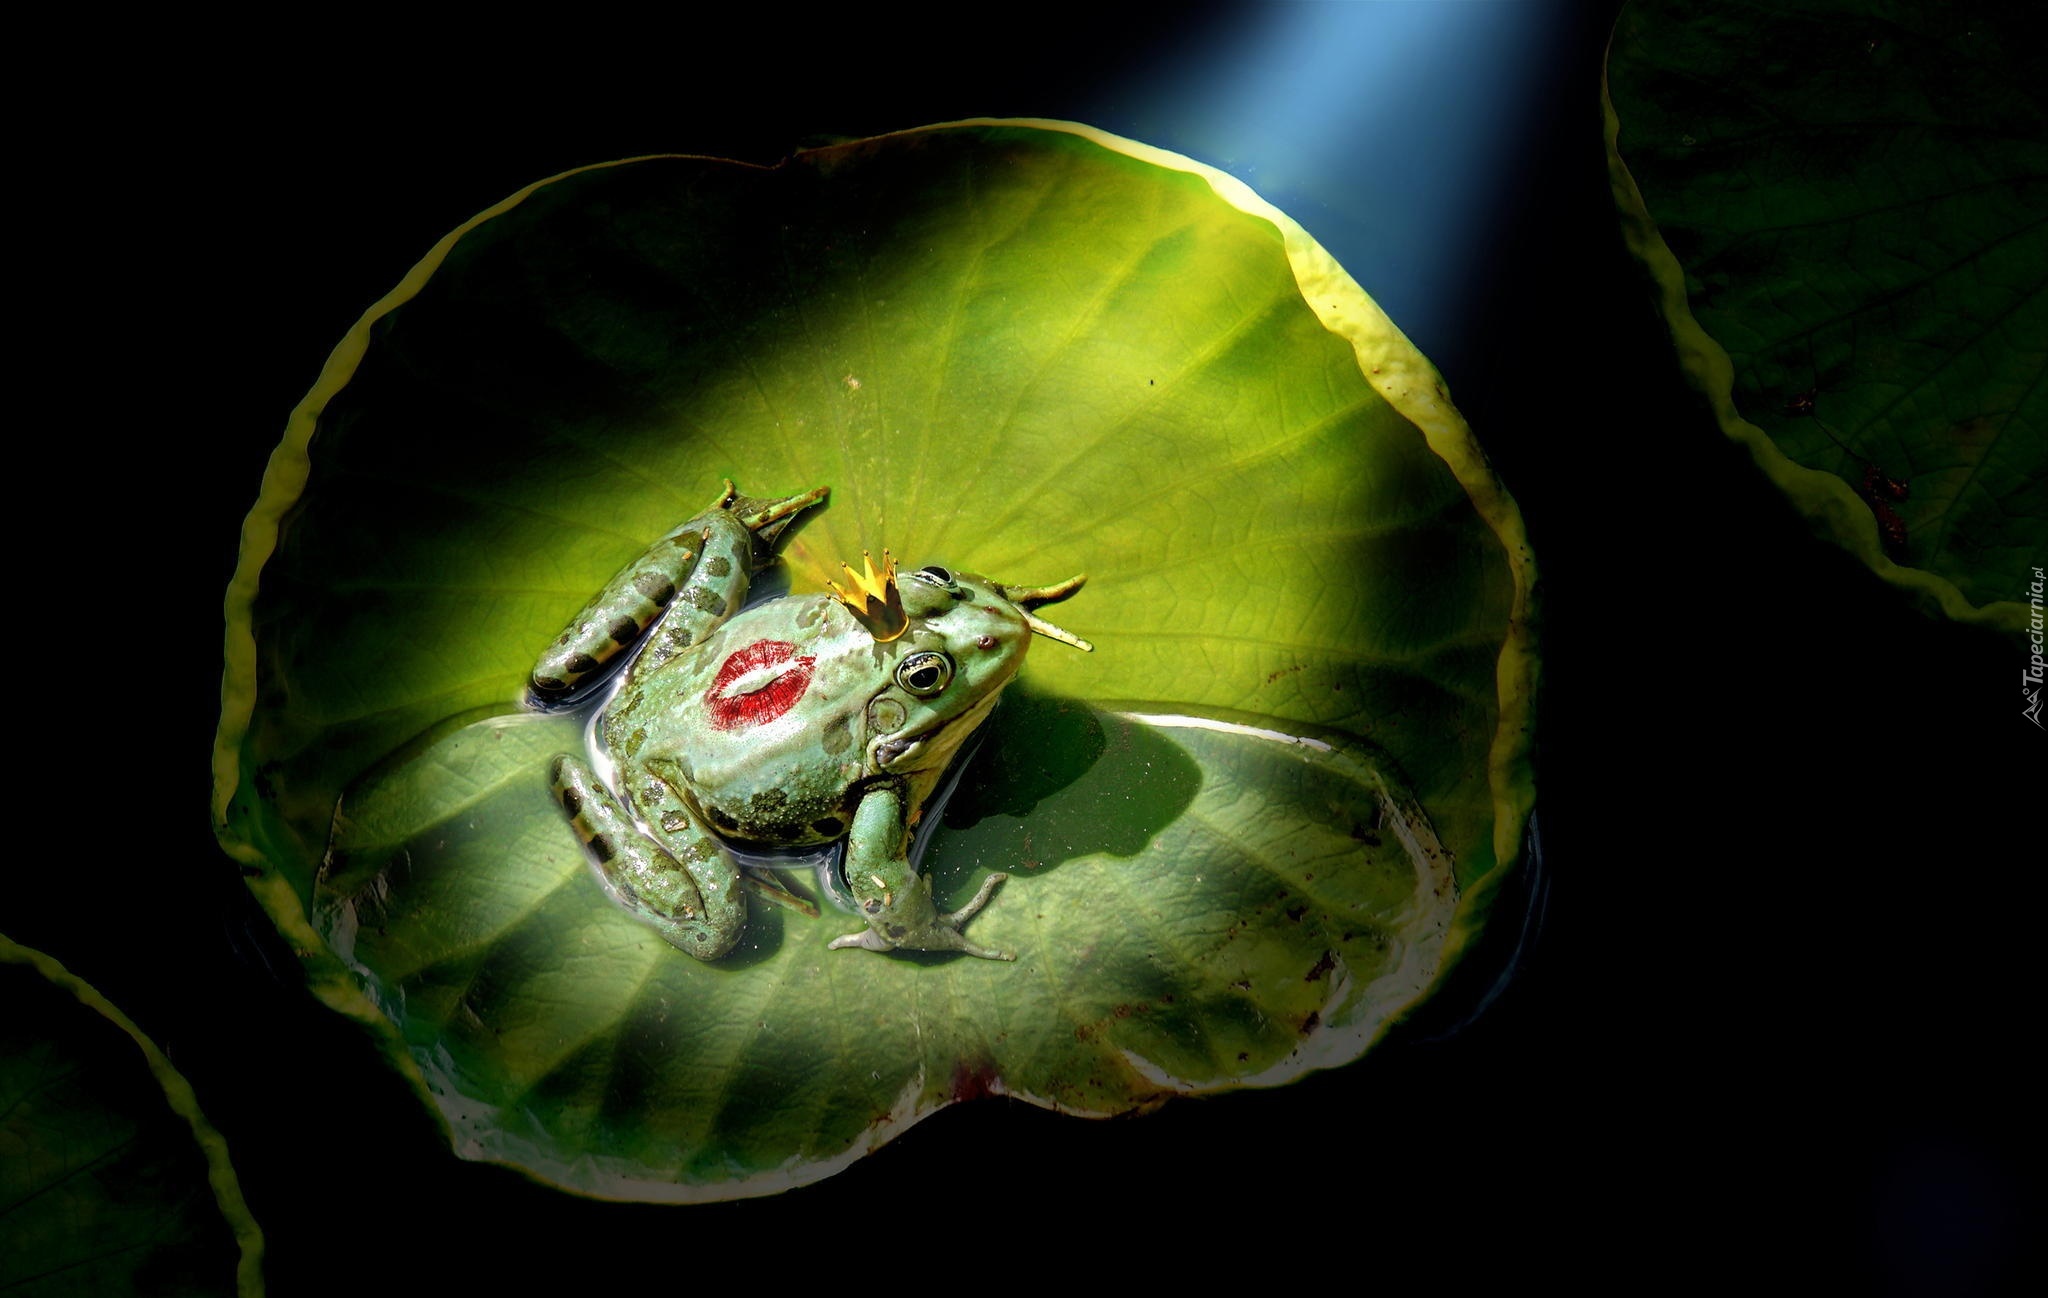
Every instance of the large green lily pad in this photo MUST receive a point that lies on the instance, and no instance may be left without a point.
(1019, 348)
(111, 1179)
(1216, 904)
(1841, 204)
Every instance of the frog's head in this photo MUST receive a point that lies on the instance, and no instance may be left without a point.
(949, 642)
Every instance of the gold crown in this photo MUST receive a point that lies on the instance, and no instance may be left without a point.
(874, 603)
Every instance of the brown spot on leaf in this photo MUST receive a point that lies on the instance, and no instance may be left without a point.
(1320, 967)
(974, 1081)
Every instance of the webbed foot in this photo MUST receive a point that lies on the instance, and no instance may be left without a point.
(938, 933)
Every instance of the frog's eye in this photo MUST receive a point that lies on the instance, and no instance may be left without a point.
(925, 674)
(933, 575)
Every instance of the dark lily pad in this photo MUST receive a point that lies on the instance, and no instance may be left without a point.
(1019, 348)
(111, 1179)
(1841, 204)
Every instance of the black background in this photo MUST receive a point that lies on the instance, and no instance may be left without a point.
(1775, 1018)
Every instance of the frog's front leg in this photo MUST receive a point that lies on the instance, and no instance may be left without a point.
(896, 899)
(690, 580)
(691, 894)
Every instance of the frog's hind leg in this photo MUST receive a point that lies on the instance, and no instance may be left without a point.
(617, 616)
(733, 552)
(692, 896)
(688, 581)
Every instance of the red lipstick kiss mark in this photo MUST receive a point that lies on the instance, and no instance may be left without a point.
(768, 697)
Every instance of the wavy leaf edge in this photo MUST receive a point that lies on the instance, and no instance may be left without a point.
(178, 1094)
(1828, 503)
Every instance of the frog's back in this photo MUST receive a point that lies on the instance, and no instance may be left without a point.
(759, 725)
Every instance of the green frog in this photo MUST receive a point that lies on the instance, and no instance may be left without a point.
(799, 721)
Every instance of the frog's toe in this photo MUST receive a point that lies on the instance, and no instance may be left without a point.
(768, 517)
(973, 908)
(867, 940)
(966, 947)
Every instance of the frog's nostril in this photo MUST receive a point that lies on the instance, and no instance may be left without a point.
(984, 642)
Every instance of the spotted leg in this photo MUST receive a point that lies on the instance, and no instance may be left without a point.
(690, 894)
(666, 815)
(895, 898)
(688, 581)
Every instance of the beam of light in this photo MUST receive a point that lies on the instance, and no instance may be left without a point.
(1384, 128)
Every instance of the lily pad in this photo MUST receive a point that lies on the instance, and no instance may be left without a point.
(1017, 348)
(111, 1180)
(1204, 904)
(1841, 206)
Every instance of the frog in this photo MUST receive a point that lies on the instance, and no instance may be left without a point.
(786, 724)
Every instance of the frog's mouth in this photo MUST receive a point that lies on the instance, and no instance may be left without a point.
(890, 751)
(934, 746)
(897, 747)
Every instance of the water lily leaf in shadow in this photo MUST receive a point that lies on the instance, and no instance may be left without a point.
(1025, 349)
(111, 1180)
(1269, 904)
(1841, 204)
